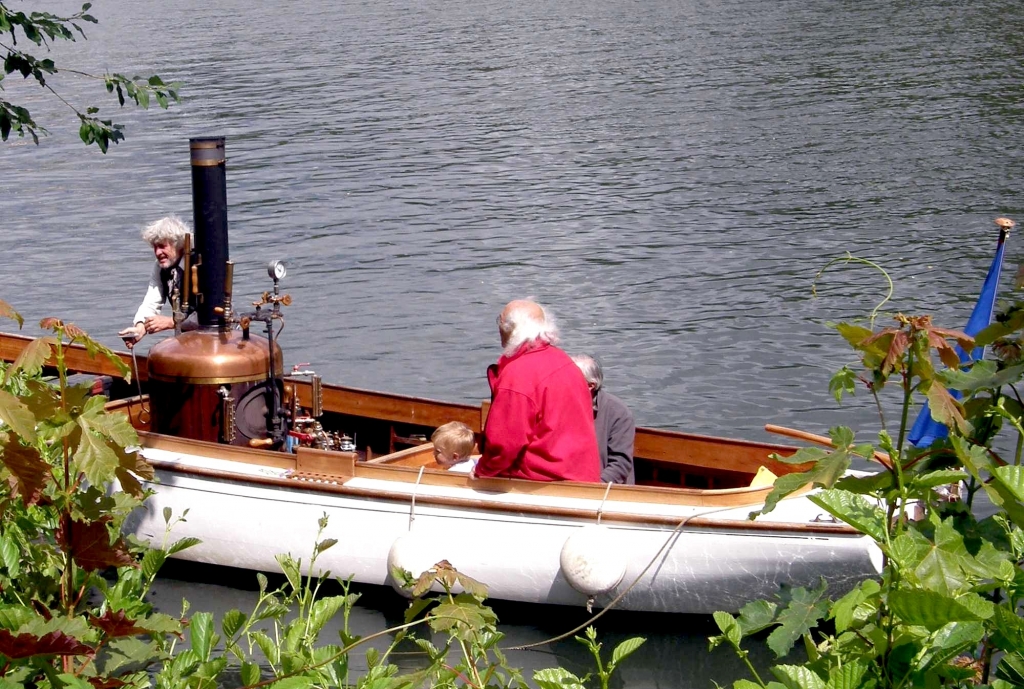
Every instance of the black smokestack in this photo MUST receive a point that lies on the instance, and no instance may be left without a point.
(210, 216)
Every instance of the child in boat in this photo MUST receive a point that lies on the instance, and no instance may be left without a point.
(454, 442)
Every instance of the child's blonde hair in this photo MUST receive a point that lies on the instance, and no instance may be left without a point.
(454, 438)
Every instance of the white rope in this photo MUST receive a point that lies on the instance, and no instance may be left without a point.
(600, 509)
(412, 506)
(668, 541)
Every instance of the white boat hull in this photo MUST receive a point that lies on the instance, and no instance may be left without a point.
(516, 554)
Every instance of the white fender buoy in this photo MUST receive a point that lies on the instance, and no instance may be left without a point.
(590, 562)
(414, 552)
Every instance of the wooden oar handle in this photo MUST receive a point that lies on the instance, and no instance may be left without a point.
(880, 457)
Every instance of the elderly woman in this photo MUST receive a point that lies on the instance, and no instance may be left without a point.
(613, 423)
(167, 237)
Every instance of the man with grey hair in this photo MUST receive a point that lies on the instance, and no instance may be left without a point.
(613, 423)
(540, 425)
(167, 237)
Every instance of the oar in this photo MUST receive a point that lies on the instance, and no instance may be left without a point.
(880, 457)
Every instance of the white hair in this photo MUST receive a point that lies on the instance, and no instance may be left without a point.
(169, 230)
(520, 325)
(590, 368)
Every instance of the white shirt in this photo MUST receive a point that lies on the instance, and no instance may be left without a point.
(466, 466)
(153, 302)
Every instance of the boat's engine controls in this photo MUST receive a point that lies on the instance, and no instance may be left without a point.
(307, 430)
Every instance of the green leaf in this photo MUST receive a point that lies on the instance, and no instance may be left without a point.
(293, 683)
(933, 479)
(843, 382)
(323, 611)
(12, 617)
(949, 642)
(94, 458)
(92, 347)
(976, 459)
(184, 544)
(747, 684)
(982, 375)
(128, 652)
(943, 565)
(557, 678)
(10, 554)
(730, 629)
(933, 610)
(290, 568)
(847, 676)
(473, 587)
(17, 416)
(447, 615)
(232, 622)
(1011, 668)
(250, 673)
(117, 427)
(857, 604)
(867, 485)
(152, 561)
(200, 630)
(32, 357)
(267, 646)
(945, 409)
(160, 623)
(797, 677)
(855, 510)
(853, 334)
(757, 615)
(1009, 629)
(805, 609)
(1012, 478)
(626, 648)
(828, 469)
(325, 544)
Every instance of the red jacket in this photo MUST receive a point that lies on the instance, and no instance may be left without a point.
(541, 422)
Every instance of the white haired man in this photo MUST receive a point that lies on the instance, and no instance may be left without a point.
(613, 423)
(167, 237)
(540, 425)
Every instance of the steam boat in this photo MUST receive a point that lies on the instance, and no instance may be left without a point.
(258, 457)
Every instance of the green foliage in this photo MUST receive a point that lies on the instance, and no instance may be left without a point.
(945, 610)
(42, 29)
(72, 590)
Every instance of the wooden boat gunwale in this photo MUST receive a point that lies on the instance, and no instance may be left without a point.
(307, 476)
(654, 444)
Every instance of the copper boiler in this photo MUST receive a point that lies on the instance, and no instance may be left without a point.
(214, 385)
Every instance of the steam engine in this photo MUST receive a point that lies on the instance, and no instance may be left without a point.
(216, 380)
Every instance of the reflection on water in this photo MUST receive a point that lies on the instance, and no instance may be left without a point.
(674, 655)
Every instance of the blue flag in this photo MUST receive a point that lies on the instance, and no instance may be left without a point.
(927, 430)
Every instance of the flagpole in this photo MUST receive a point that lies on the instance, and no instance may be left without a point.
(927, 430)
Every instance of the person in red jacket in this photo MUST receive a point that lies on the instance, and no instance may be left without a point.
(541, 422)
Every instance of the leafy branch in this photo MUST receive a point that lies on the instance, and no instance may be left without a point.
(42, 29)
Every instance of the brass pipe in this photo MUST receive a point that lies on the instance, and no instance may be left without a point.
(229, 278)
(316, 397)
(186, 276)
